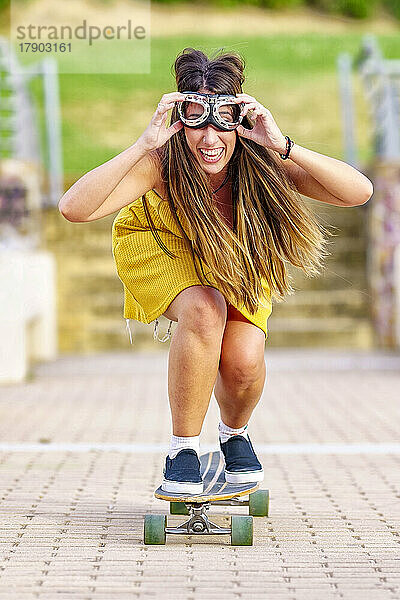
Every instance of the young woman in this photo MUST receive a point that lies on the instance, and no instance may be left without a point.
(210, 215)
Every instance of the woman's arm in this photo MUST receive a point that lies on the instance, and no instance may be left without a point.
(110, 186)
(127, 176)
(314, 175)
(326, 179)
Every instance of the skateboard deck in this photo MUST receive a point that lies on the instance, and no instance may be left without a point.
(215, 487)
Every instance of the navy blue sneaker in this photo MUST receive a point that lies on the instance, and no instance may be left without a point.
(241, 462)
(182, 473)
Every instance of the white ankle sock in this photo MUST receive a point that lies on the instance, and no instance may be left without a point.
(226, 432)
(179, 443)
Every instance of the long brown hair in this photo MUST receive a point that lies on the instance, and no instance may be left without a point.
(272, 226)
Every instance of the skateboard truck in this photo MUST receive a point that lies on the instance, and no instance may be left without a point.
(199, 522)
(241, 530)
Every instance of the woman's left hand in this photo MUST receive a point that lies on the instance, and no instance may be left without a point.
(265, 131)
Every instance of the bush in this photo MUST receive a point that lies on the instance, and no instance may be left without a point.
(280, 3)
(393, 6)
(359, 9)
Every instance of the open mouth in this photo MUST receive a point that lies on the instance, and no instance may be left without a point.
(211, 156)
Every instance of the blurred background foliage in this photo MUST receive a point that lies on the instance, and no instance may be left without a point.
(358, 9)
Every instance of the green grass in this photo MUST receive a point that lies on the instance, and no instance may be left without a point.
(295, 76)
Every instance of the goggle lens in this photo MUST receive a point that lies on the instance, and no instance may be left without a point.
(229, 113)
(192, 110)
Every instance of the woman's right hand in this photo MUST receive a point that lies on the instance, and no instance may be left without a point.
(156, 134)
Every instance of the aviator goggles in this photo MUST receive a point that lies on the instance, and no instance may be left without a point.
(220, 110)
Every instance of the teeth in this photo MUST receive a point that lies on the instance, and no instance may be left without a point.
(213, 153)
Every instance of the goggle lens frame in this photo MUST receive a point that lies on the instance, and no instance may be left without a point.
(211, 104)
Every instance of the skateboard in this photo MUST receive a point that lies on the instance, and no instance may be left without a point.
(216, 491)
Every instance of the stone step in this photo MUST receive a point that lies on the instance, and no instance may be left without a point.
(327, 296)
(361, 337)
(337, 324)
(338, 215)
(308, 314)
(352, 297)
(303, 303)
(337, 333)
(329, 284)
(324, 303)
(102, 283)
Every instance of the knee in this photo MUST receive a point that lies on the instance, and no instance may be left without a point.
(243, 369)
(204, 311)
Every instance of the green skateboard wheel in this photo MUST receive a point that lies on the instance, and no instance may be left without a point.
(154, 529)
(259, 503)
(242, 531)
(178, 508)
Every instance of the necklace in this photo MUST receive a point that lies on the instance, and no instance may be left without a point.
(222, 184)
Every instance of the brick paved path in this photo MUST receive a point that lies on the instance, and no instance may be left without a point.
(72, 518)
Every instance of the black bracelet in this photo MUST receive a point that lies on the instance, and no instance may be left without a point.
(289, 146)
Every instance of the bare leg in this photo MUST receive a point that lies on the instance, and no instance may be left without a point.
(194, 355)
(242, 373)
